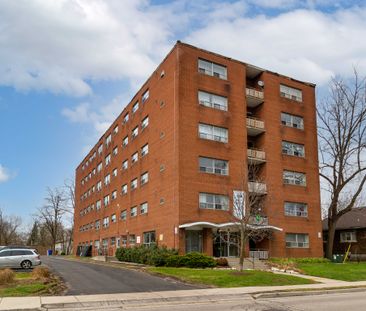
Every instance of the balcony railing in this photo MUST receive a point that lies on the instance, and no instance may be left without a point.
(254, 97)
(257, 187)
(256, 156)
(255, 126)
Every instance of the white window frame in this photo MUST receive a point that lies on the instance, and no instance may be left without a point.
(293, 149)
(144, 178)
(98, 205)
(135, 157)
(123, 215)
(135, 107)
(125, 141)
(125, 165)
(106, 200)
(135, 132)
(124, 189)
(133, 212)
(212, 132)
(291, 120)
(291, 93)
(144, 123)
(145, 96)
(126, 118)
(212, 100)
(295, 241)
(348, 237)
(144, 150)
(114, 195)
(219, 201)
(214, 169)
(294, 178)
(144, 207)
(296, 209)
(108, 160)
(108, 140)
(115, 172)
(134, 183)
(113, 218)
(115, 151)
(212, 69)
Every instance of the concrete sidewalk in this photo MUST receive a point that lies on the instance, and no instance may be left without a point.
(148, 298)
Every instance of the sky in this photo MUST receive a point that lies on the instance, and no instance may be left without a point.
(68, 67)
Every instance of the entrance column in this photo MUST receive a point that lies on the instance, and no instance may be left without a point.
(207, 241)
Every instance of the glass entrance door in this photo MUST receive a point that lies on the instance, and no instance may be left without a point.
(226, 244)
(194, 241)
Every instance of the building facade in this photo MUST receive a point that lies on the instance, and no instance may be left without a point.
(202, 127)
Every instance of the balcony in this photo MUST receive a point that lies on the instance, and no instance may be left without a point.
(256, 156)
(254, 97)
(255, 126)
(257, 188)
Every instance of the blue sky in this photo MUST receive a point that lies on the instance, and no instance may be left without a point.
(67, 68)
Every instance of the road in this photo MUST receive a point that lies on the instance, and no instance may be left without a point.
(354, 301)
(87, 278)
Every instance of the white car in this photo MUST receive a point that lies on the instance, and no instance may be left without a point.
(19, 258)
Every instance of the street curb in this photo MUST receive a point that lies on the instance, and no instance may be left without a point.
(293, 293)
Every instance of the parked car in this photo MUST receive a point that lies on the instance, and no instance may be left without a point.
(19, 258)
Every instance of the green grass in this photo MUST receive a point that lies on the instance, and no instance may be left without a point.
(23, 275)
(230, 278)
(346, 272)
(23, 290)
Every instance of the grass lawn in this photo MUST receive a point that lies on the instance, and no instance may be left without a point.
(230, 278)
(25, 285)
(346, 272)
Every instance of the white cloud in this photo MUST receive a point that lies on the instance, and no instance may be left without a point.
(309, 45)
(4, 174)
(61, 45)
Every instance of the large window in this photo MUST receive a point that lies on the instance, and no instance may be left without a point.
(144, 122)
(214, 166)
(212, 100)
(291, 93)
(106, 200)
(134, 184)
(212, 69)
(294, 178)
(144, 150)
(108, 140)
(123, 215)
(107, 179)
(124, 189)
(108, 159)
(144, 178)
(214, 201)
(211, 132)
(106, 222)
(292, 121)
(133, 211)
(296, 209)
(149, 238)
(348, 236)
(144, 208)
(293, 149)
(297, 240)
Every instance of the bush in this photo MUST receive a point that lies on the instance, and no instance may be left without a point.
(174, 261)
(291, 261)
(41, 273)
(222, 262)
(191, 260)
(6, 276)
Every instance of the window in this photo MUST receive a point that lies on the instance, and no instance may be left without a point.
(98, 205)
(211, 132)
(114, 195)
(124, 189)
(126, 118)
(133, 211)
(291, 93)
(134, 184)
(144, 122)
(107, 180)
(94, 171)
(99, 167)
(125, 141)
(113, 241)
(212, 100)
(108, 140)
(125, 165)
(144, 208)
(144, 178)
(132, 239)
(296, 209)
(135, 132)
(115, 130)
(123, 215)
(145, 96)
(214, 201)
(114, 172)
(105, 243)
(293, 149)
(99, 185)
(348, 237)
(292, 121)
(294, 178)
(134, 157)
(124, 240)
(135, 107)
(107, 159)
(113, 218)
(105, 222)
(144, 150)
(149, 238)
(106, 200)
(212, 69)
(100, 149)
(97, 224)
(214, 166)
(115, 151)
(297, 240)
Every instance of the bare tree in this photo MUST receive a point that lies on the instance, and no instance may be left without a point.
(342, 148)
(248, 212)
(70, 196)
(9, 229)
(52, 212)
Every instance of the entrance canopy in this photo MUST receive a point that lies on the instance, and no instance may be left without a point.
(199, 225)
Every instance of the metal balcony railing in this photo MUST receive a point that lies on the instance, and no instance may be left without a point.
(254, 97)
(256, 155)
(257, 187)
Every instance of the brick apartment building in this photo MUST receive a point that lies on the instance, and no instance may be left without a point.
(165, 170)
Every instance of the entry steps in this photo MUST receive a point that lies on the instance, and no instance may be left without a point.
(249, 263)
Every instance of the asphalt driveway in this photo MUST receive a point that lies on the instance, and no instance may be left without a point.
(84, 278)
